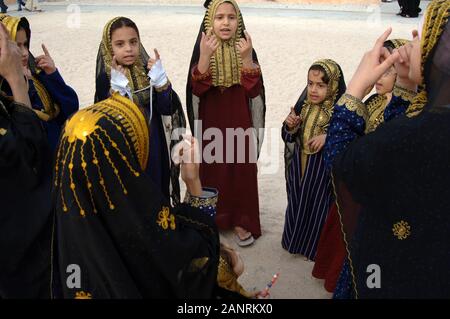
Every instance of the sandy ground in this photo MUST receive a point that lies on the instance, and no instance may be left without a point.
(287, 42)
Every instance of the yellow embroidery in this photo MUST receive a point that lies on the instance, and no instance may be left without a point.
(200, 202)
(84, 134)
(3, 131)
(401, 230)
(316, 118)
(354, 105)
(166, 219)
(83, 295)
(81, 125)
(436, 19)
(375, 109)
(226, 63)
(405, 94)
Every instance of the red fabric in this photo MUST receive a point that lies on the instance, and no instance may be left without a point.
(237, 184)
(331, 251)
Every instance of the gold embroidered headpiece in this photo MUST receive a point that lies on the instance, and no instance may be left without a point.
(88, 143)
(135, 73)
(436, 18)
(226, 63)
(334, 74)
(51, 110)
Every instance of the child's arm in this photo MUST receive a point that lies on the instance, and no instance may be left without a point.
(201, 82)
(251, 72)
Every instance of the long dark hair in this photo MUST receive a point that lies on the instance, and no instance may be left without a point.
(325, 77)
(123, 22)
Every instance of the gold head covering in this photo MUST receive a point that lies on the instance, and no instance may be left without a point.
(227, 279)
(226, 63)
(51, 109)
(135, 73)
(377, 104)
(92, 141)
(436, 18)
(317, 117)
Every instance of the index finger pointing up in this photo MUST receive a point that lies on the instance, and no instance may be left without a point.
(247, 37)
(380, 41)
(157, 56)
(4, 35)
(44, 48)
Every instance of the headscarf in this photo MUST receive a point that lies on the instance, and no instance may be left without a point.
(225, 67)
(115, 224)
(51, 109)
(316, 118)
(138, 81)
(376, 104)
(435, 22)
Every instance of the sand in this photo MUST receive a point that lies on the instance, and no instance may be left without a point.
(287, 44)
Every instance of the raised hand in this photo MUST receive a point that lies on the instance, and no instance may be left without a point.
(45, 61)
(373, 65)
(152, 61)
(245, 48)
(403, 64)
(11, 67)
(293, 120)
(116, 66)
(208, 44)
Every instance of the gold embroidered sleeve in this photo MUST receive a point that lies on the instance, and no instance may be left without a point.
(197, 76)
(353, 104)
(163, 88)
(251, 71)
(207, 202)
(405, 94)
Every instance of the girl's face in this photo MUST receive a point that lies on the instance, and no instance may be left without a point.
(22, 43)
(385, 84)
(225, 21)
(415, 68)
(317, 89)
(125, 45)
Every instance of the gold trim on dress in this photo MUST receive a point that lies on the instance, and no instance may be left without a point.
(436, 18)
(226, 62)
(405, 94)
(201, 202)
(3, 131)
(316, 118)
(375, 109)
(353, 104)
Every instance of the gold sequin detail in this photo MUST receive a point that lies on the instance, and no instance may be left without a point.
(3, 131)
(401, 230)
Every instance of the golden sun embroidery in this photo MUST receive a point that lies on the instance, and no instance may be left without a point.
(83, 295)
(401, 230)
(165, 219)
